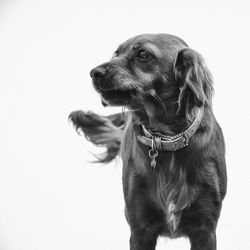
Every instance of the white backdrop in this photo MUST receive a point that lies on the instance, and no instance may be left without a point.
(51, 197)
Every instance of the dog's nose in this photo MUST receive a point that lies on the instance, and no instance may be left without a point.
(97, 73)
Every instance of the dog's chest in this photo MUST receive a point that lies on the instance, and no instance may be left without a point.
(172, 192)
(172, 219)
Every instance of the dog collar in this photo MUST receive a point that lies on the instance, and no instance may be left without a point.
(158, 141)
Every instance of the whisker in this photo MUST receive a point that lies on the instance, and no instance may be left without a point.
(159, 100)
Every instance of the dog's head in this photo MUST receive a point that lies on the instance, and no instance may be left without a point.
(157, 74)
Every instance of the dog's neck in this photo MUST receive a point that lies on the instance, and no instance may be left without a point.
(160, 140)
(175, 123)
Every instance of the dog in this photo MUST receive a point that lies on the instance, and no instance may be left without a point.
(172, 147)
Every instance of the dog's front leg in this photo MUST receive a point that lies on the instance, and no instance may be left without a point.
(143, 240)
(144, 216)
(203, 240)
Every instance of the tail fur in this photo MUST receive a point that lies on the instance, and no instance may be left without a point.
(103, 131)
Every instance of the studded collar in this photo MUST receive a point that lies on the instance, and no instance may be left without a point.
(158, 141)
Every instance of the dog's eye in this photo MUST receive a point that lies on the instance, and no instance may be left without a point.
(143, 55)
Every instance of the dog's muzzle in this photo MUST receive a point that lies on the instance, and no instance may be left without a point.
(97, 74)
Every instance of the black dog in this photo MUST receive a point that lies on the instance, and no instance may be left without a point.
(174, 172)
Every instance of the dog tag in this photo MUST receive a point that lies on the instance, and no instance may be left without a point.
(153, 163)
(153, 154)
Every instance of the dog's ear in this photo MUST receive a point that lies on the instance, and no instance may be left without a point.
(193, 77)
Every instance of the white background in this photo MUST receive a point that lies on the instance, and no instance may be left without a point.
(51, 197)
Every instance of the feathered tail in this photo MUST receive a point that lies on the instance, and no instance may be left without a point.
(101, 130)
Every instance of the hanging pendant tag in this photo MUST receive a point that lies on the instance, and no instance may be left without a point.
(153, 153)
(153, 163)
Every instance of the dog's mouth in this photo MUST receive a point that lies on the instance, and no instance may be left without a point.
(117, 97)
(115, 92)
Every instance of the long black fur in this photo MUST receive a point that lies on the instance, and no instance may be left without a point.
(162, 82)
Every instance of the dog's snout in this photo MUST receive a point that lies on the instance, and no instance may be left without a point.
(97, 73)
